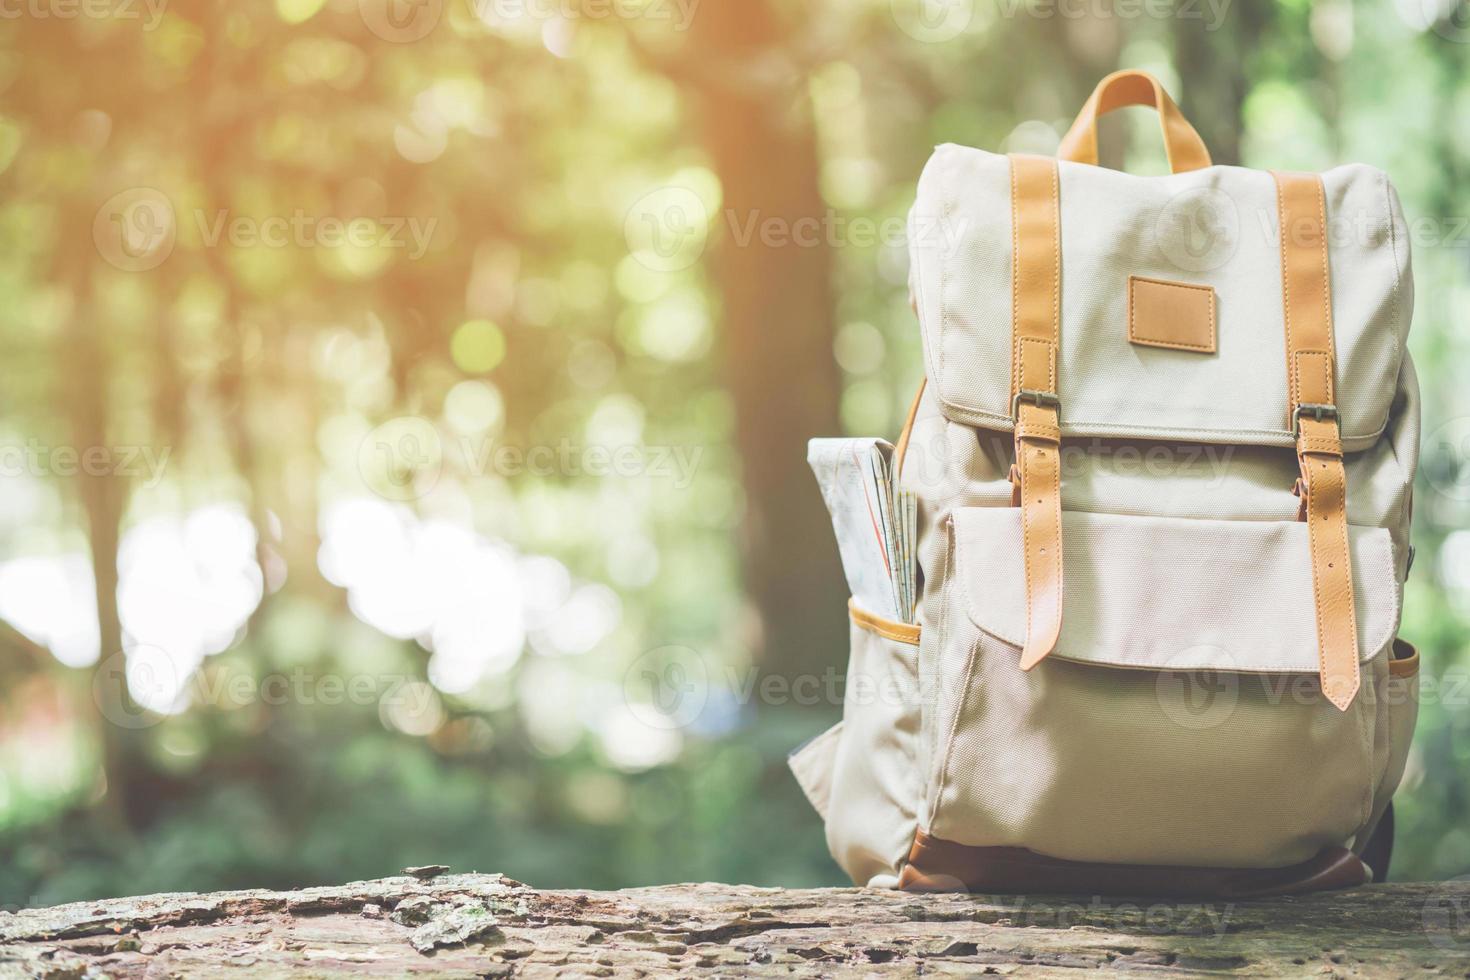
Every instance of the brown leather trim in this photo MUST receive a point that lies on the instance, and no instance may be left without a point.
(1176, 315)
(886, 628)
(941, 865)
(1306, 289)
(1404, 661)
(1185, 149)
(1036, 288)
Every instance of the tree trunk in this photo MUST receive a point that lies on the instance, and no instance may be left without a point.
(489, 926)
(83, 395)
(1215, 60)
(773, 262)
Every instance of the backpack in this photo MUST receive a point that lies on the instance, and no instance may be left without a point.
(1164, 453)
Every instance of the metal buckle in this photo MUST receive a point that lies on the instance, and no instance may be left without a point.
(1317, 411)
(1041, 399)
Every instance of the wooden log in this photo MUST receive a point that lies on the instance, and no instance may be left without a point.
(431, 924)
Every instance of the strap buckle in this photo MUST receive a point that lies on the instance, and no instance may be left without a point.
(1316, 410)
(1041, 399)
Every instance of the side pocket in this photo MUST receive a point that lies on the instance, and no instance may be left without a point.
(812, 766)
(1402, 695)
(875, 780)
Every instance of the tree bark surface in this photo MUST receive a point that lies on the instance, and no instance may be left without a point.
(477, 925)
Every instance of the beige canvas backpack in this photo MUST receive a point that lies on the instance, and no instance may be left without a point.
(1164, 456)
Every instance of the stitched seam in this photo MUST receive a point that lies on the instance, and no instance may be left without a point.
(1326, 289)
(1051, 364)
(1016, 337)
(1294, 394)
(943, 297)
(1028, 517)
(1316, 578)
(954, 722)
(1347, 573)
(961, 414)
(1055, 487)
(1369, 783)
(1325, 359)
(1360, 708)
(1131, 282)
(1056, 275)
(1393, 239)
(1340, 499)
(1176, 285)
(1391, 568)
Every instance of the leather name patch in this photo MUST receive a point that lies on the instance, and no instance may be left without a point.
(1176, 315)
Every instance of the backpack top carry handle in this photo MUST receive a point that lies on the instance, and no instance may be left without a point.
(1185, 149)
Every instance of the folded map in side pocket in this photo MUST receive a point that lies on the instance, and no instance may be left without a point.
(876, 522)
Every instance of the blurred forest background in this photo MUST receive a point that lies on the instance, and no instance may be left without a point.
(399, 394)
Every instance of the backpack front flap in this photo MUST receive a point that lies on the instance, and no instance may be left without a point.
(1217, 229)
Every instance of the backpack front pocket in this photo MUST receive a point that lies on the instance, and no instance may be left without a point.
(1179, 719)
(875, 781)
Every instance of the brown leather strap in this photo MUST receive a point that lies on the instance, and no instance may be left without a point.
(1185, 149)
(1307, 299)
(1036, 275)
(901, 451)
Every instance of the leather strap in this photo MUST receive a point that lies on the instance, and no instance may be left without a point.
(886, 628)
(1035, 332)
(901, 451)
(1185, 149)
(1307, 299)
